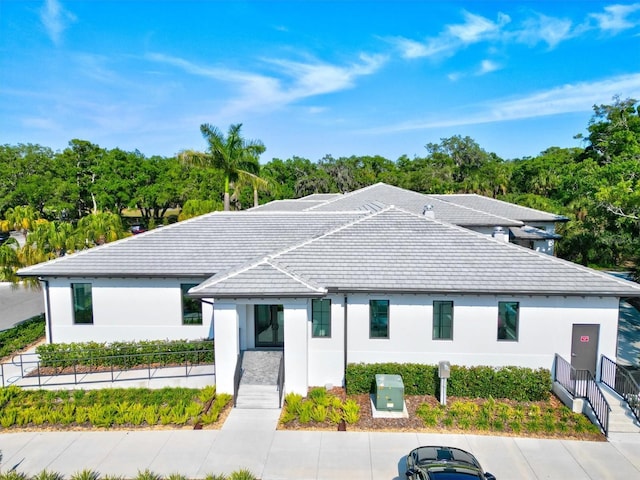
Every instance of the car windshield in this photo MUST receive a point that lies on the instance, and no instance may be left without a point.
(452, 475)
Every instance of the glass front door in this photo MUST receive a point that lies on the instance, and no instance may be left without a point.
(269, 325)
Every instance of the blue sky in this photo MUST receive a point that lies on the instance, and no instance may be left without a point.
(313, 78)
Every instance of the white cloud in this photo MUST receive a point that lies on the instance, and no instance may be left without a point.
(488, 66)
(569, 98)
(297, 80)
(475, 29)
(55, 19)
(536, 28)
(413, 49)
(616, 17)
(542, 28)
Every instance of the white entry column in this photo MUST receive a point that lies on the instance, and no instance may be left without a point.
(227, 345)
(296, 340)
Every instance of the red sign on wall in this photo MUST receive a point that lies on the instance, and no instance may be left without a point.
(584, 338)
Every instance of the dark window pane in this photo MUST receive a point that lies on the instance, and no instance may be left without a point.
(508, 321)
(442, 320)
(321, 317)
(191, 308)
(379, 318)
(82, 303)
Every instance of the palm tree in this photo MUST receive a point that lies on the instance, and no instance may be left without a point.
(20, 218)
(101, 227)
(9, 261)
(256, 183)
(232, 154)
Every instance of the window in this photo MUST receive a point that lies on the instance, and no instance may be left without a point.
(321, 317)
(442, 320)
(82, 303)
(379, 318)
(508, 321)
(191, 309)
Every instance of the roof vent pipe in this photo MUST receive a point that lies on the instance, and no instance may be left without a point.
(428, 212)
(500, 234)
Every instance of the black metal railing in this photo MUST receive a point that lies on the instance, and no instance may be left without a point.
(236, 379)
(574, 381)
(582, 384)
(598, 403)
(619, 378)
(281, 380)
(28, 370)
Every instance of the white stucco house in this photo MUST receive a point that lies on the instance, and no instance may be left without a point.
(377, 275)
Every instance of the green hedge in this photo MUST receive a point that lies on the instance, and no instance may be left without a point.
(126, 354)
(515, 383)
(21, 336)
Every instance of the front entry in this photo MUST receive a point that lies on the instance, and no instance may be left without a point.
(584, 347)
(269, 325)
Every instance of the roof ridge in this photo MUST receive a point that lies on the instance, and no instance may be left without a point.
(344, 195)
(366, 215)
(234, 272)
(475, 210)
(298, 278)
(504, 202)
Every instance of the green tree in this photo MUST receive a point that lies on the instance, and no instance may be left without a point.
(21, 218)
(82, 159)
(232, 154)
(157, 188)
(100, 227)
(9, 261)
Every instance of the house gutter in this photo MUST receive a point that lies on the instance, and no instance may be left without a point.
(48, 302)
(345, 341)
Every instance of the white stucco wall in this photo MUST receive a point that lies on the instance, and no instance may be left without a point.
(296, 339)
(545, 328)
(135, 309)
(125, 309)
(326, 354)
(227, 327)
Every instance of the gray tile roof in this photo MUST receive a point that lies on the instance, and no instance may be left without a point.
(500, 208)
(531, 233)
(397, 251)
(414, 202)
(287, 205)
(262, 280)
(321, 196)
(198, 247)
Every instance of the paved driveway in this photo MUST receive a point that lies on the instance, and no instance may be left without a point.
(18, 304)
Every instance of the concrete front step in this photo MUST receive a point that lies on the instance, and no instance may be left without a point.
(621, 418)
(258, 396)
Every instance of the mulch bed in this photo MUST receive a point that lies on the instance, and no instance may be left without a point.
(415, 424)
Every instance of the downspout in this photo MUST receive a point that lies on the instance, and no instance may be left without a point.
(346, 344)
(48, 307)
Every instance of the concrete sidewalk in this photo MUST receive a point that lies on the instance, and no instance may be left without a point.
(249, 439)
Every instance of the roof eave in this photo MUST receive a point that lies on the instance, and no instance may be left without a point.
(246, 296)
(444, 291)
(116, 275)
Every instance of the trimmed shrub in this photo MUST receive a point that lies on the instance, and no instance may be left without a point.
(515, 383)
(21, 336)
(126, 354)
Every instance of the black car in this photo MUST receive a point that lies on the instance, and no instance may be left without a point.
(444, 463)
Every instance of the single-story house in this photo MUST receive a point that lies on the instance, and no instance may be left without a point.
(378, 275)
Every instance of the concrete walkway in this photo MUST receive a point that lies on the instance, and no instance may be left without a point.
(249, 439)
(18, 303)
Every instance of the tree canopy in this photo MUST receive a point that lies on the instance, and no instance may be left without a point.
(85, 194)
